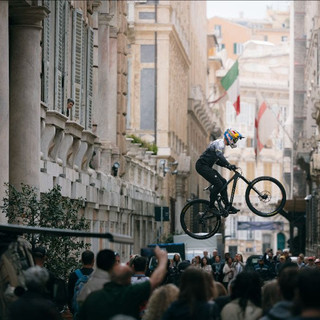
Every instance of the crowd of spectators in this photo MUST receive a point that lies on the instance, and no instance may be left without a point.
(278, 286)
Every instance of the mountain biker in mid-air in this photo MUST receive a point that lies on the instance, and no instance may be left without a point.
(214, 155)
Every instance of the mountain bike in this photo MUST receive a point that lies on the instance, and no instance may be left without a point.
(265, 196)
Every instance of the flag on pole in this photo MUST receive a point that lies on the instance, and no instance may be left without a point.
(230, 82)
(265, 123)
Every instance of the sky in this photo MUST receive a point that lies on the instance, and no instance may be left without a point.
(250, 9)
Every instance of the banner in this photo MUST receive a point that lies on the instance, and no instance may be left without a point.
(260, 225)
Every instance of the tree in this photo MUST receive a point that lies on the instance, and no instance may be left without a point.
(52, 210)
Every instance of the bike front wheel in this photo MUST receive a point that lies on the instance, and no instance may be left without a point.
(197, 222)
(265, 196)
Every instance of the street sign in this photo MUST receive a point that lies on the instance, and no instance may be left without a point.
(161, 212)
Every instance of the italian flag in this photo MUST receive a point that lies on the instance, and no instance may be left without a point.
(230, 82)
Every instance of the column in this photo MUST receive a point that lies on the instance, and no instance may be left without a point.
(112, 102)
(101, 117)
(4, 99)
(180, 200)
(25, 88)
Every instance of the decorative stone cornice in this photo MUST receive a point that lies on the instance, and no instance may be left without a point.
(105, 18)
(32, 16)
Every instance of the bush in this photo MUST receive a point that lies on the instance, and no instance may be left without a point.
(52, 210)
(150, 146)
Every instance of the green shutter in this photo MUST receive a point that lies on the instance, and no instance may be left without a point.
(59, 55)
(235, 48)
(89, 78)
(77, 61)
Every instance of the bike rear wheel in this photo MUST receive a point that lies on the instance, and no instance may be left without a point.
(265, 196)
(197, 222)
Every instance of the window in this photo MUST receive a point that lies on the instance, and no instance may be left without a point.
(284, 38)
(221, 46)
(266, 242)
(147, 96)
(146, 15)
(217, 31)
(82, 70)
(237, 48)
(58, 36)
(250, 232)
(265, 38)
(147, 53)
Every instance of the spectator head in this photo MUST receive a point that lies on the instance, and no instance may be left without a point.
(39, 252)
(270, 295)
(36, 279)
(121, 274)
(204, 261)
(39, 255)
(215, 252)
(205, 253)
(105, 259)
(286, 253)
(287, 280)
(239, 257)
(282, 259)
(217, 259)
(311, 260)
(193, 286)
(210, 285)
(307, 292)
(177, 257)
(300, 258)
(197, 259)
(247, 287)
(160, 300)
(70, 103)
(117, 255)
(219, 290)
(139, 264)
(87, 258)
(183, 265)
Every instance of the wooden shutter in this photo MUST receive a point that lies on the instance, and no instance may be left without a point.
(89, 78)
(77, 61)
(46, 54)
(83, 75)
(59, 55)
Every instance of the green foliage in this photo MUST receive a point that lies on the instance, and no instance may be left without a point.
(52, 210)
(150, 146)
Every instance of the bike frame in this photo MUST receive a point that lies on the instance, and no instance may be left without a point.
(237, 175)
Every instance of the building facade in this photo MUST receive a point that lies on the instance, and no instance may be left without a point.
(168, 98)
(306, 95)
(59, 50)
